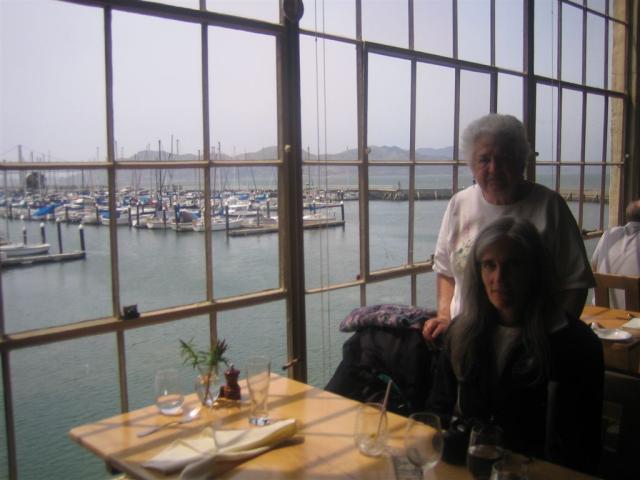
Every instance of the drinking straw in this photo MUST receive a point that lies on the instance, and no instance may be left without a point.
(384, 406)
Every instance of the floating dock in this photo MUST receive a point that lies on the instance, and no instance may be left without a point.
(35, 259)
(308, 225)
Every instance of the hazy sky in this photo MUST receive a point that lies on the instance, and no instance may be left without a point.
(52, 83)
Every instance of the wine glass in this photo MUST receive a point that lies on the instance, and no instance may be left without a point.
(485, 448)
(258, 376)
(423, 440)
(169, 397)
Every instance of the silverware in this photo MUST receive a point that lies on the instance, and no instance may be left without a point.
(186, 418)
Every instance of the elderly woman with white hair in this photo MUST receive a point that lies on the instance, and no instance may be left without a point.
(497, 151)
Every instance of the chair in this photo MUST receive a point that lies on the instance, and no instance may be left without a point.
(608, 281)
(621, 426)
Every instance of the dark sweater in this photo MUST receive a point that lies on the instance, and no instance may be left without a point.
(520, 408)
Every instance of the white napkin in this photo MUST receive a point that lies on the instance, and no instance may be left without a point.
(199, 452)
(633, 323)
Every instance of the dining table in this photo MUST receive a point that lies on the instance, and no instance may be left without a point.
(620, 340)
(322, 448)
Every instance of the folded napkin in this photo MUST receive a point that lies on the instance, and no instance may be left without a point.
(199, 452)
(633, 323)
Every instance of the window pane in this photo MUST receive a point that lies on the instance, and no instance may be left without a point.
(596, 50)
(435, 107)
(242, 91)
(595, 128)
(571, 44)
(166, 101)
(475, 91)
(433, 32)
(388, 220)
(510, 95)
(163, 265)
(267, 10)
(571, 136)
(337, 17)
(509, 34)
(325, 311)
(389, 104)
(79, 288)
(246, 261)
(474, 32)
(67, 384)
(332, 253)
(546, 38)
(546, 175)
(52, 89)
(385, 22)
(433, 185)
(598, 5)
(546, 122)
(328, 98)
(397, 290)
(591, 212)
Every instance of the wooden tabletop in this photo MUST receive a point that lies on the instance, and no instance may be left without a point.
(323, 448)
(624, 355)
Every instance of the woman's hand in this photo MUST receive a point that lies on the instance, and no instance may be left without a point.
(434, 327)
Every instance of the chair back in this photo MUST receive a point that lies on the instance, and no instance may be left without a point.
(608, 281)
(621, 426)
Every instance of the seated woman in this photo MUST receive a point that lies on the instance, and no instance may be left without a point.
(514, 358)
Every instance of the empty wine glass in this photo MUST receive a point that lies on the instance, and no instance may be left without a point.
(423, 440)
(169, 397)
(485, 448)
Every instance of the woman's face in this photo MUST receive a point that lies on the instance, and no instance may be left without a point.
(496, 171)
(506, 275)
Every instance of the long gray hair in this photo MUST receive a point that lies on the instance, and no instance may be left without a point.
(506, 130)
(469, 333)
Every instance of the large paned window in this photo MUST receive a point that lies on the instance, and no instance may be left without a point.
(226, 172)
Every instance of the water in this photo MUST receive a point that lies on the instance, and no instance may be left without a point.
(62, 385)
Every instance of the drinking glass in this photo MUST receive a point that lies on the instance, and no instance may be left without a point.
(258, 375)
(169, 397)
(485, 448)
(423, 440)
(371, 429)
(509, 470)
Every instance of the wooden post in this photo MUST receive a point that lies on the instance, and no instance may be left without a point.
(258, 216)
(66, 213)
(164, 217)
(342, 210)
(59, 228)
(98, 216)
(226, 219)
(268, 209)
(24, 234)
(82, 245)
(43, 234)
(130, 219)
(138, 215)
(10, 210)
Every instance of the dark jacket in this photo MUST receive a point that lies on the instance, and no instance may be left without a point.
(575, 388)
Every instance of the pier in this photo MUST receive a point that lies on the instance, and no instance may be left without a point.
(36, 259)
(308, 225)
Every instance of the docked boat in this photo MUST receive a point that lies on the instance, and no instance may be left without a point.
(217, 224)
(22, 250)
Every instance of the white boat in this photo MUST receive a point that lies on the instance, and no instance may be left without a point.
(22, 250)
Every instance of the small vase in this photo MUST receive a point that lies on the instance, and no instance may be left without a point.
(207, 385)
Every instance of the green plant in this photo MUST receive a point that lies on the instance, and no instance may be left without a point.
(207, 358)
(206, 361)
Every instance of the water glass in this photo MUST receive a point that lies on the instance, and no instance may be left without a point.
(485, 449)
(423, 440)
(169, 397)
(258, 376)
(509, 470)
(371, 429)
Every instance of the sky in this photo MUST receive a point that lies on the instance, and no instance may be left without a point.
(53, 77)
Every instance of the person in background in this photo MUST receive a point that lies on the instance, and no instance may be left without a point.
(497, 150)
(618, 251)
(514, 358)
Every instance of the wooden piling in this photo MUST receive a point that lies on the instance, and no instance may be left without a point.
(82, 245)
(43, 234)
(59, 228)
